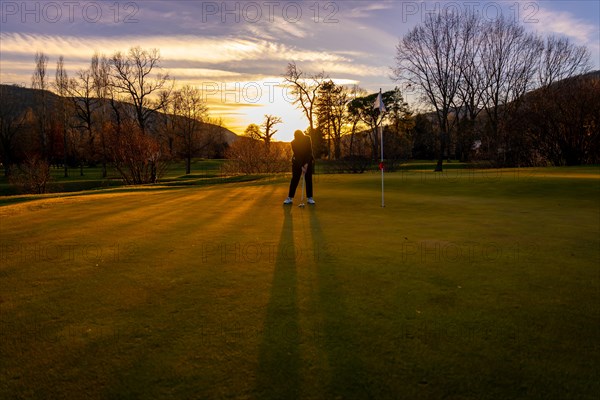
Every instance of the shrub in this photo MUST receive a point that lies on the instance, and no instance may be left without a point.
(32, 176)
(250, 156)
(137, 156)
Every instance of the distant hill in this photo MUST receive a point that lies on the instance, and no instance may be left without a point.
(24, 98)
(432, 116)
(592, 74)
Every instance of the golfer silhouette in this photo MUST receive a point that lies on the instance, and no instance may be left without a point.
(302, 164)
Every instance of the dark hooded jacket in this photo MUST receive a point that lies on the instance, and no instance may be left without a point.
(302, 148)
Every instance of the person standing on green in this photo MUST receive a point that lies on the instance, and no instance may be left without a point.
(302, 163)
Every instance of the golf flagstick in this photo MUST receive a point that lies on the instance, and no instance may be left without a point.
(381, 165)
(380, 106)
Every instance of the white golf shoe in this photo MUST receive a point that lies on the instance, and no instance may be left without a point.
(288, 201)
(310, 200)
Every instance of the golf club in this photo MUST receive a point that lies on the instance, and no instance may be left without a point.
(302, 198)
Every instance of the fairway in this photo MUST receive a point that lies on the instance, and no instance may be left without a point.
(472, 284)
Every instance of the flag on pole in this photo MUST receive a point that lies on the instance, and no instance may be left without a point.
(381, 107)
(379, 103)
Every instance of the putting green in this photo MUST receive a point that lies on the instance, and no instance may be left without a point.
(467, 285)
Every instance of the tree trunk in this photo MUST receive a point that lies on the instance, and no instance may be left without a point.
(442, 153)
(152, 172)
(374, 144)
(65, 158)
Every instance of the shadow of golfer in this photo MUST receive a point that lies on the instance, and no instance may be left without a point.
(279, 358)
(339, 340)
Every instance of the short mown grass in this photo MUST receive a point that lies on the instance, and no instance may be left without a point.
(472, 284)
(90, 178)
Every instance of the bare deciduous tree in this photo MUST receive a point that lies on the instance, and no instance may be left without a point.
(189, 114)
(138, 75)
(82, 90)
(509, 59)
(267, 128)
(305, 90)
(562, 116)
(468, 102)
(39, 81)
(561, 59)
(61, 85)
(429, 57)
(100, 69)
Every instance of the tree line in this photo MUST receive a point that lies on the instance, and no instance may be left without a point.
(121, 111)
(500, 93)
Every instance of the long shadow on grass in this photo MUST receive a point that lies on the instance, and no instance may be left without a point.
(342, 347)
(279, 357)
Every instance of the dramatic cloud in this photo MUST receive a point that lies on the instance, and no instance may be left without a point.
(565, 23)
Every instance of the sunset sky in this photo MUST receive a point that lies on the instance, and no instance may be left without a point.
(237, 51)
